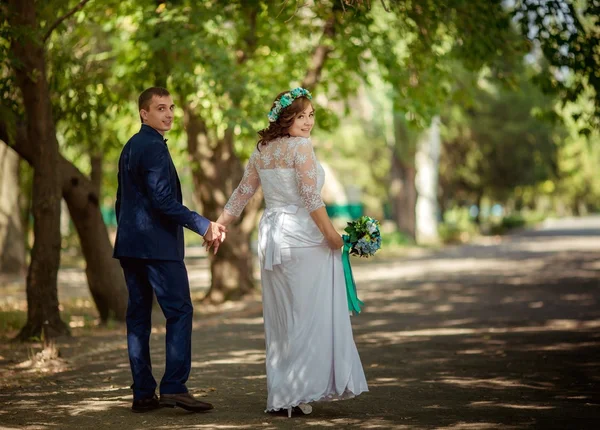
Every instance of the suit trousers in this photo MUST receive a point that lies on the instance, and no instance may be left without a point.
(169, 281)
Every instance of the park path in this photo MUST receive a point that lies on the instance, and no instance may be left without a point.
(499, 334)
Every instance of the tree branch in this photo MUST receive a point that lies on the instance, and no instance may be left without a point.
(320, 54)
(61, 19)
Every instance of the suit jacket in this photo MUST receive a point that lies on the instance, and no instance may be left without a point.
(149, 209)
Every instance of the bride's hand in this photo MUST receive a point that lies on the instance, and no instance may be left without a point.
(335, 242)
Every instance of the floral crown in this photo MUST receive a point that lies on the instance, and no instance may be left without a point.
(286, 100)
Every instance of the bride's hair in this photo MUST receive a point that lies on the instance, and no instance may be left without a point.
(280, 127)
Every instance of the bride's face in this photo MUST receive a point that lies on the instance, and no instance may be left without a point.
(303, 123)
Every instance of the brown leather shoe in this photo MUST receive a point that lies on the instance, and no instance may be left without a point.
(185, 401)
(145, 405)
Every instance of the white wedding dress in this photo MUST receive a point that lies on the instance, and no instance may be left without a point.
(311, 355)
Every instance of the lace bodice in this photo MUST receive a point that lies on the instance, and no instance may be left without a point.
(289, 173)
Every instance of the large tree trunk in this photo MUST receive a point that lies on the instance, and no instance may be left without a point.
(402, 191)
(12, 237)
(104, 274)
(216, 172)
(427, 163)
(403, 195)
(43, 317)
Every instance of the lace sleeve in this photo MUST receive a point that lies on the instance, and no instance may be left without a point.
(305, 164)
(246, 188)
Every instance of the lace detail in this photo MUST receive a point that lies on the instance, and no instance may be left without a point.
(306, 176)
(246, 188)
(289, 173)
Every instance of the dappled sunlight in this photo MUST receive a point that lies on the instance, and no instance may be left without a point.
(552, 325)
(235, 357)
(464, 321)
(252, 377)
(478, 337)
(88, 406)
(563, 346)
(399, 293)
(216, 426)
(491, 383)
(378, 323)
(391, 382)
(244, 321)
(529, 406)
(477, 426)
(372, 423)
(398, 308)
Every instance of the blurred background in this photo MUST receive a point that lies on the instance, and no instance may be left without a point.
(446, 120)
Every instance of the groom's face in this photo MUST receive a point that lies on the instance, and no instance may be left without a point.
(159, 114)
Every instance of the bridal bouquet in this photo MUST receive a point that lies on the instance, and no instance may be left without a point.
(363, 239)
(363, 236)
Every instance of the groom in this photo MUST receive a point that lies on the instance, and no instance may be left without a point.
(150, 247)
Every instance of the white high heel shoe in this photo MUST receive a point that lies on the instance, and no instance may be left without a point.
(302, 407)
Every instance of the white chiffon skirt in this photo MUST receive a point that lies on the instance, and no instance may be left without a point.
(311, 354)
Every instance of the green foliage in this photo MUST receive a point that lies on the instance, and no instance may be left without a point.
(394, 239)
(499, 143)
(568, 33)
(226, 61)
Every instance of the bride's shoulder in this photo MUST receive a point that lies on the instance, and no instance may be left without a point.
(298, 141)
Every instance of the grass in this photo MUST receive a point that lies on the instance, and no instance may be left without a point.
(77, 313)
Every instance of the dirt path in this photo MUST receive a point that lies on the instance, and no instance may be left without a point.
(496, 335)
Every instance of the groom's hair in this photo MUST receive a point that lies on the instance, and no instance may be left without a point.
(146, 97)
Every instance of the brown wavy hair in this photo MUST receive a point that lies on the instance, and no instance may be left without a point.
(286, 118)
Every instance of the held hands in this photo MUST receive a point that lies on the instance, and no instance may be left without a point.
(215, 235)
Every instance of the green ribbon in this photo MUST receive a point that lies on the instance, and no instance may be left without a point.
(354, 303)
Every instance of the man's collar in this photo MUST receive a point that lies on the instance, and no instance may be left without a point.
(152, 131)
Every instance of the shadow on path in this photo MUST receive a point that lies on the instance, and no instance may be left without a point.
(494, 336)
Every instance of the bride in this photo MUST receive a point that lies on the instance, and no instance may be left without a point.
(311, 355)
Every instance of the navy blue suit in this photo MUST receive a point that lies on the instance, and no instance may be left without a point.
(150, 246)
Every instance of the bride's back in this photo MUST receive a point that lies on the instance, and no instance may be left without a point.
(284, 163)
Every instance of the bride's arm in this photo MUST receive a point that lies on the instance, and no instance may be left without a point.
(239, 198)
(320, 217)
(305, 164)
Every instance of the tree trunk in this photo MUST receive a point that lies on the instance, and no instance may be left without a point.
(12, 238)
(478, 202)
(402, 191)
(403, 195)
(43, 317)
(216, 172)
(427, 163)
(104, 274)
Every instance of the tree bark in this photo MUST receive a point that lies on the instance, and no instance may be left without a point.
(12, 236)
(104, 274)
(403, 195)
(43, 316)
(402, 191)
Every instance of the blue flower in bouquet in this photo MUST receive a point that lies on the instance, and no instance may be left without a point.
(364, 237)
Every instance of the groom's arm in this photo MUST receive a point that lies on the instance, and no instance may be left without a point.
(118, 201)
(155, 165)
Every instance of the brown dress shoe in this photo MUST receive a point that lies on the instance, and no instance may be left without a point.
(145, 405)
(185, 401)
